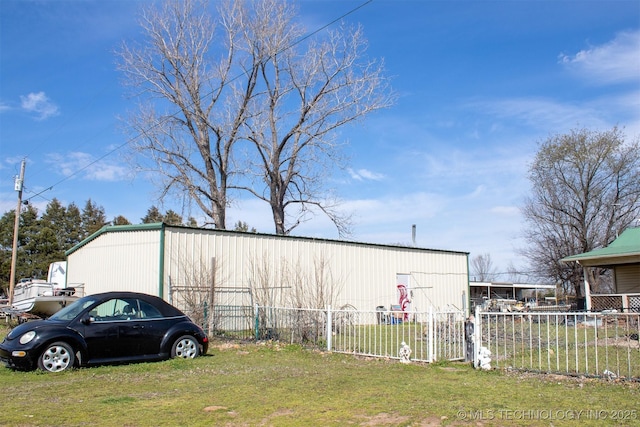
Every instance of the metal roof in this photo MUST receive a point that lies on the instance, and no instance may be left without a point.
(162, 226)
(511, 285)
(624, 250)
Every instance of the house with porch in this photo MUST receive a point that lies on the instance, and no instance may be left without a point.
(623, 257)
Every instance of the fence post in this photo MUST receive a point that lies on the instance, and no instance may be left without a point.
(205, 321)
(477, 335)
(329, 327)
(257, 322)
(431, 355)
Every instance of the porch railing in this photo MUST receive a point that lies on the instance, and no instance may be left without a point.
(624, 303)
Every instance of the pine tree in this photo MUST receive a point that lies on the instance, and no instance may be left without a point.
(93, 218)
(120, 220)
(153, 216)
(172, 218)
(73, 232)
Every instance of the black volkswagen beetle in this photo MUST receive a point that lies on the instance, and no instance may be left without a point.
(111, 327)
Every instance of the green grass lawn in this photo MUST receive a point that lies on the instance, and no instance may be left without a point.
(282, 385)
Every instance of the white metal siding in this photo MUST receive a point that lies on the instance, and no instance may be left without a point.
(366, 274)
(628, 278)
(117, 261)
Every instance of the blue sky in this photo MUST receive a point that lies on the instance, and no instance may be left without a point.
(479, 84)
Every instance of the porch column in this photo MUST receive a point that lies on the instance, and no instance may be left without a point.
(587, 292)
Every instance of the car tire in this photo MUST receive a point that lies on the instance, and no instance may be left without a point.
(57, 357)
(185, 347)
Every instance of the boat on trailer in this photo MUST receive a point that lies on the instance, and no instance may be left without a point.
(41, 298)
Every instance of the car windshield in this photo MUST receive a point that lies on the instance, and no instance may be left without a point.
(73, 309)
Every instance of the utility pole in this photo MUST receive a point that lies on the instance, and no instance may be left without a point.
(14, 251)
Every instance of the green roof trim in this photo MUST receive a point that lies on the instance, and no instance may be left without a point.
(627, 245)
(116, 228)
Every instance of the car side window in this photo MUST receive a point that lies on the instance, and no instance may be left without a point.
(114, 309)
(71, 311)
(148, 311)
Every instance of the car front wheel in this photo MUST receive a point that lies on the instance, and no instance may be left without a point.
(57, 357)
(185, 347)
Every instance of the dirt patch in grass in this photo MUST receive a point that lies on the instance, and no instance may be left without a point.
(283, 412)
(623, 342)
(215, 408)
(451, 369)
(225, 346)
(386, 419)
(394, 419)
(570, 380)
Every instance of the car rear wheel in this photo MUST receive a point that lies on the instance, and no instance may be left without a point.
(185, 347)
(57, 357)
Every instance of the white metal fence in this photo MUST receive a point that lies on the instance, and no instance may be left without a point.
(569, 343)
(430, 335)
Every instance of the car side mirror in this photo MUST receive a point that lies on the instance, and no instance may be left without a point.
(88, 320)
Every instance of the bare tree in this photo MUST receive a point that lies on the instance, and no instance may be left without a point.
(308, 92)
(316, 287)
(514, 275)
(250, 74)
(585, 189)
(195, 293)
(482, 268)
(276, 282)
(193, 106)
(307, 288)
(269, 279)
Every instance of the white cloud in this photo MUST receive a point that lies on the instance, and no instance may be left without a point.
(103, 171)
(362, 174)
(13, 161)
(7, 201)
(77, 163)
(478, 192)
(506, 210)
(40, 104)
(372, 218)
(613, 62)
(545, 116)
(542, 113)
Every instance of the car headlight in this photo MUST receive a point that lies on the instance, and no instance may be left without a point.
(26, 338)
